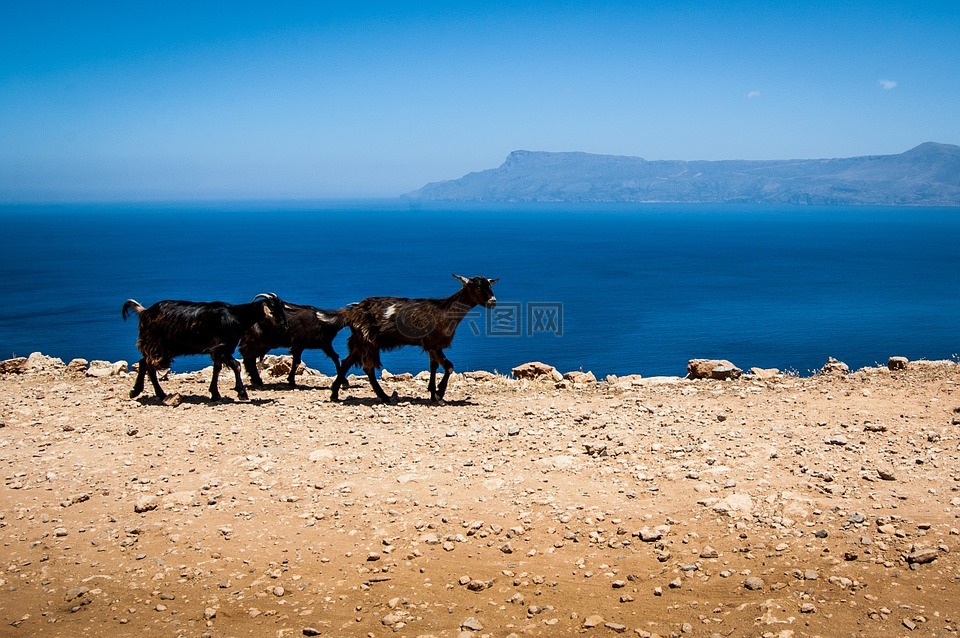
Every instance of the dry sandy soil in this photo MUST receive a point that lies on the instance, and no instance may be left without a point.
(820, 506)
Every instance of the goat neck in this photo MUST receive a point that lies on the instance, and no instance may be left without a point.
(458, 304)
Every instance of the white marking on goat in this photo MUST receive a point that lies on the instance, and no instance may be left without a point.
(392, 308)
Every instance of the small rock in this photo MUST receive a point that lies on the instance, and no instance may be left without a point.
(753, 583)
(648, 535)
(476, 585)
(592, 621)
(173, 400)
(471, 624)
(146, 503)
(596, 449)
(391, 619)
(922, 556)
(76, 592)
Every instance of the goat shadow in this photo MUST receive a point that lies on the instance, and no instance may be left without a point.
(375, 401)
(196, 399)
(282, 386)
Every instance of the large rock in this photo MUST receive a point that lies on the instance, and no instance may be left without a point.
(897, 363)
(17, 365)
(834, 366)
(580, 377)
(276, 365)
(536, 370)
(78, 366)
(99, 368)
(38, 362)
(719, 369)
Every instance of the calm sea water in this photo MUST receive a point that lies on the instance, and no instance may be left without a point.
(612, 289)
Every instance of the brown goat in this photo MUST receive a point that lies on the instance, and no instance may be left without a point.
(385, 323)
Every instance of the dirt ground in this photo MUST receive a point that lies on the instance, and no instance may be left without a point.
(819, 506)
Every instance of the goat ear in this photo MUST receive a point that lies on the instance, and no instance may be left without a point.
(267, 312)
(463, 280)
(493, 281)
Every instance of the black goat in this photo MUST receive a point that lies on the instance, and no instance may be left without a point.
(307, 327)
(169, 329)
(385, 323)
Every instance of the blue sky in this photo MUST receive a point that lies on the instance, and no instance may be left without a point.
(241, 100)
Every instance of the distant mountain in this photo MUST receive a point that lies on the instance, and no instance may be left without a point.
(928, 175)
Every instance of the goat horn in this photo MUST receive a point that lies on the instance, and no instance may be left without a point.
(266, 295)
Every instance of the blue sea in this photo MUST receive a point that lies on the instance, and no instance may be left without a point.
(615, 289)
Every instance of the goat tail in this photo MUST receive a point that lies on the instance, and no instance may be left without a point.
(339, 319)
(131, 304)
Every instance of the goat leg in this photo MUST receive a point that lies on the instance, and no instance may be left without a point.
(332, 354)
(342, 377)
(447, 370)
(250, 364)
(297, 354)
(233, 365)
(372, 375)
(156, 383)
(214, 392)
(138, 384)
(432, 386)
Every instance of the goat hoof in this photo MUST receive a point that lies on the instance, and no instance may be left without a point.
(242, 395)
(392, 399)
(135, 393)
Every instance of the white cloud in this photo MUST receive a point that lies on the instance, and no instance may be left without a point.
(887, 85)
(753, 94)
